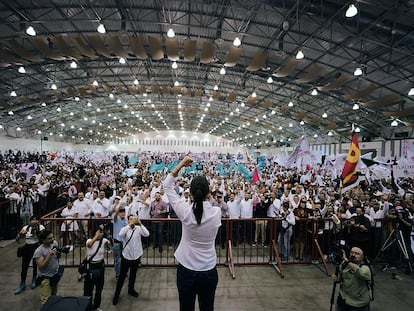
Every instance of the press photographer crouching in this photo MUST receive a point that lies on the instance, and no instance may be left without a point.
(355, 278)
(48, 270)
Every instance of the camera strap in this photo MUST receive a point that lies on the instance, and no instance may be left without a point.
(123, 247)
(96, 252)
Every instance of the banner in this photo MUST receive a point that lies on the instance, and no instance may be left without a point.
(349, 176)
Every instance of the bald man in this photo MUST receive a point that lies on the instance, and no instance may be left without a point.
(355, 279)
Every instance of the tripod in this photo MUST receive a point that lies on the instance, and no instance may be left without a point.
(397, 237)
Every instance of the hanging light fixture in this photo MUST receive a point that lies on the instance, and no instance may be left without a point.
(330, 133)
(355, 106)
(325, 115)
(21, 70)
(31, 31)
(237, 42)
(357, 129)
(122, 60)
(270, 80)
(13, 94)
(222, 71)
(174, 65)
(215, 87)
(300, 55)
(53, 87)
(351, 11)
(170, 33)
(254, 94)
(95, 83)
(290, 104)
(314, 92)
(411, 92)
(358, 72)
(101, 28)
(394, 123)
(136, 82)
(302, 122)
(73, 65)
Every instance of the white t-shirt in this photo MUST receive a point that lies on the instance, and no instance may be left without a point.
(196, 250)
(100, 255)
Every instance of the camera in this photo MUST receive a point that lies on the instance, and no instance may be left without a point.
(336, 255)
(63, 250)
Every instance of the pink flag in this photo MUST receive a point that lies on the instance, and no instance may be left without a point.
(255, 177)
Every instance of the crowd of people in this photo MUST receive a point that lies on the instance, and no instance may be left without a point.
(98, 186)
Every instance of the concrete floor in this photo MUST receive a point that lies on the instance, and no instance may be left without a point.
(305, 287)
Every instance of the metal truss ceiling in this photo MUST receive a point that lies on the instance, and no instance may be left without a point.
(248, 104)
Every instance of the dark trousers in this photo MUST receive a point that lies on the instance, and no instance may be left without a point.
(125, 266)
(342, 306)
(158, 231)
(196, 283)
(26, 258)
(96, 278)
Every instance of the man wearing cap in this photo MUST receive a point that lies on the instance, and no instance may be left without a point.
(118, 222)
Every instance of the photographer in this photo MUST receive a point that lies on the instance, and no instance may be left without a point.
(355, 282)
(95, 251)
(31, 234)
(285, 235)
(47, 260)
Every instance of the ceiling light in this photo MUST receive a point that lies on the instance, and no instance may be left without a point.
(174, 65)
(31, 31)
(89, 104)
(357, 129)
(29, 117)
(302, 123)
(351, 11)
(355, 106)
(11, 113)
(136, 82)
(300, 55)
(18, 129)
(77, 98)
(411, 92)
(290, 124)
(95, 83)
(242, 104)
(324, 115)
(122, 60)
(53, 87)
(101, 28)
(44, 120)
(118, 101)
(316, 135)
(58, 109)
(358, 72)
(314, 92)
(176, 83)
(111, 96)
(21, 70)
(237, 42)
(170, 33)
(330, 133)
(43, 105)
(215, 88)
(290, 104)
(394, 123)
(269, 80)
(222, 71)
(73, 65)
(13, 94)
(254, 94)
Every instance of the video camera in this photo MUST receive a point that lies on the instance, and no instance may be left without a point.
(336, 255)
(64, 250)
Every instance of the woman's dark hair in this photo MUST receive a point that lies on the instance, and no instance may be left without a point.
(43, 235)
(199, 189)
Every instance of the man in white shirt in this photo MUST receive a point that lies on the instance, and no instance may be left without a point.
(101, 206)
(131, 253)
(246, 212)
(83, 207)
(233, 208)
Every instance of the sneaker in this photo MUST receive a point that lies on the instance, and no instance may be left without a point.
(21, 288)
(133, 293)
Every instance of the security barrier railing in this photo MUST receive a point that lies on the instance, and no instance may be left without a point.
(256, 241)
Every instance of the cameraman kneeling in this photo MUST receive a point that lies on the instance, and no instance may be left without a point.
(355, 282)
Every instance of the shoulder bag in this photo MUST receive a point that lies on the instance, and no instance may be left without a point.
(84, 267)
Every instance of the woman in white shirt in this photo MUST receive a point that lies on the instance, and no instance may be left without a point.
(96, 277)
(69, 227)
(196, 253)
